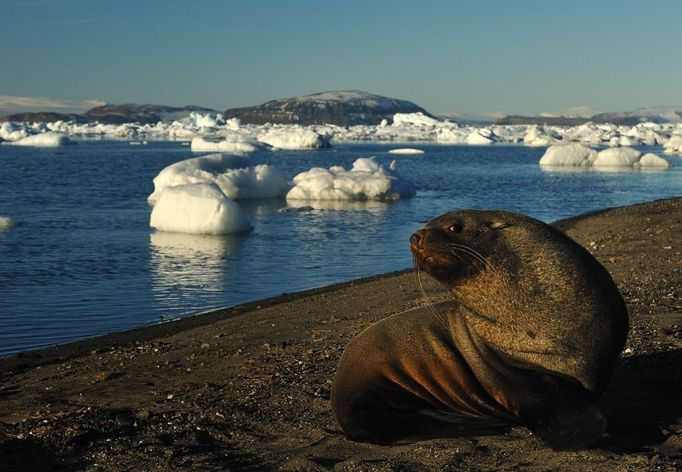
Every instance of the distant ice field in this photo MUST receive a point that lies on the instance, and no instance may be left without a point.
(79, 258)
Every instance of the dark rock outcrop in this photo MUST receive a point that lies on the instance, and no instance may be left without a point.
(343, 108)
(44, 117)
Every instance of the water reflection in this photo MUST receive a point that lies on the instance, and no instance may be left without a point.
(602, 169)
(348, 205)
(186, 265)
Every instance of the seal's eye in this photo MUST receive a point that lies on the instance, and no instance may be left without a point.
(455, 228)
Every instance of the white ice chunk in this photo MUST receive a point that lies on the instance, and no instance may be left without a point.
(233, 144)
(652, 160)
(294, 137)
(415, 119)
(41, 140)
(536, 136)
(673, 145)
(573, 154)
(236, 176)
(617, 157)
(480, 137)
(367, 180)
(6, 222)
(197, 209)
(406, 151)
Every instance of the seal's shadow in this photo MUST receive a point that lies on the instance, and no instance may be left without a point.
(643, 400)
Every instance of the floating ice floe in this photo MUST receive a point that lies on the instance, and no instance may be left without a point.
(673, 145)
(573, 154)
(536, 136)
(232, 144)
(236, 176)
(41, 140)
(6, 222)
(406, 151)
(294, 137)
(197, 209)
(367, 180)
(578, 155)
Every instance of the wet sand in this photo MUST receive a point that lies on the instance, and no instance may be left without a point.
(248, 388)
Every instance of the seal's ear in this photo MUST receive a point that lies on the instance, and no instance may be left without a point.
(499, 224)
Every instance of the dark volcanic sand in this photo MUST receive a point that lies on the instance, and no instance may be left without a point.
(248, 388)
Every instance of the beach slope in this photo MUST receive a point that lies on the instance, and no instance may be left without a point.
(247, 388)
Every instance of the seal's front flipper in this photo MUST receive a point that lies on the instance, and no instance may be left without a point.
(568, 419)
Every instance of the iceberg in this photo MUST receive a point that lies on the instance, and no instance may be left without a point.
(536, 136)
(234, 145)
(579, 155)
(617, 157)
(406, 151)
(294, 137)
(573, 154)
(236, 176)
(197, 209)
(673, 145)
(6, 223)
(41, 140)
(652, 160)
(367, 180)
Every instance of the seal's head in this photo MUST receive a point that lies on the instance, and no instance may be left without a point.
(537, 292)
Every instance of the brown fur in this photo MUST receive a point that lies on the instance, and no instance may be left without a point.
(532, 336)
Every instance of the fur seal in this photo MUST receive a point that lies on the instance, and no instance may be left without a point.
(531, 337)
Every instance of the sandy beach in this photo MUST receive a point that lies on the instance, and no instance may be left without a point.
(247, 388)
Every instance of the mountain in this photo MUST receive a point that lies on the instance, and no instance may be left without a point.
(44, 117)
(540, 120)
(134, 113)
(343, 108)
(14, 105)
(625, 118)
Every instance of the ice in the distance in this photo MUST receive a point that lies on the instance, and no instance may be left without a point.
(579, 155)
(673, 145)
(230, 135)
(294, 137)
(41, 140)
(572, 154)
(238, 177)
(198, 209)
(233, 144)
(6, 222)
(406, 151)
(366, 180)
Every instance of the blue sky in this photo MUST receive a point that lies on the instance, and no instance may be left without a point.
(449, 56)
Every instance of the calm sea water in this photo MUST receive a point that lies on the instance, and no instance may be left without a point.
(82, 260)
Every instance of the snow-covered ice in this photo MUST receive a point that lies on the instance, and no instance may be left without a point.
(406, 151)
(237, 176)
(578, 155)
(294, 137)
(197, 209)
(673, 145)
(233, 144)
(573, 154)
(652, 160)
(41, 140)
(367, 180)
(617, 157)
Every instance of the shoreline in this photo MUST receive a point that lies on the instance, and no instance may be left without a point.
(148, 332)
(247, 387)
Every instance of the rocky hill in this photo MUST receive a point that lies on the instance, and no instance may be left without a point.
(344, 108)
(625, 118)
(134, 113)
(44, 117)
